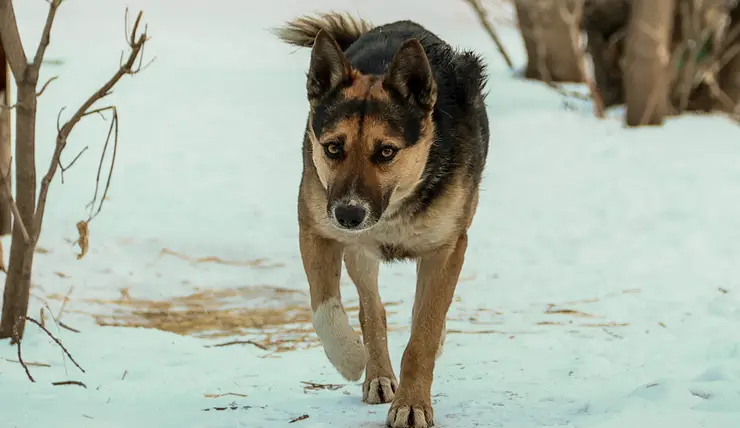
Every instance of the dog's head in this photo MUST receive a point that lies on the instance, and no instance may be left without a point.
(370, 135)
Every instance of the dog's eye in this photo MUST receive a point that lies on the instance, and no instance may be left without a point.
(333, 150)
(387, 153)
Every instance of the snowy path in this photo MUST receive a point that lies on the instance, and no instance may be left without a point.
(601, 286)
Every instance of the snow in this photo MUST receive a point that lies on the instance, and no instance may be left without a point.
(600, 287)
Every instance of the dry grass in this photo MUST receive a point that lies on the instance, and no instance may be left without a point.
(275, 319)
(257, 263)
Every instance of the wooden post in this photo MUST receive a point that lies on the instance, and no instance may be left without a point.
(547, 29)
(5, 146)
(605, 24)
(647, 60)
(729, 76)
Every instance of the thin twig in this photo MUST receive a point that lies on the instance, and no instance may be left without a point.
(480, 11)
(70, 382)
(43, 88)
(298, 419)
(612, 334)
(136, 43)
(58, 342)
(45, 34)
(29, 364)
(58, 319)
(239, 342)
(20, 357)
(112, 131)
(65, 326)
(63, 169)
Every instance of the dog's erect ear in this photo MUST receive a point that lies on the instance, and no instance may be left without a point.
(329, 67)
(410, 74)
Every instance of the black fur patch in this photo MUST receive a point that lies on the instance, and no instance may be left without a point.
(461, 135)
(395, 253)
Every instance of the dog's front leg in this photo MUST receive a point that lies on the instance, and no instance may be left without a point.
(437, 276)
(380, 382)
(322, 261)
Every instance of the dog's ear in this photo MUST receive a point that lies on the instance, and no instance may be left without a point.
(329, 67)
(411, 75)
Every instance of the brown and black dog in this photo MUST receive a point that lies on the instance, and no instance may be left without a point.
(394, 148)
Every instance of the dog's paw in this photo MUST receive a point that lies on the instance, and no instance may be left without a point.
(410, 414)
(342, 345)
(379, 390)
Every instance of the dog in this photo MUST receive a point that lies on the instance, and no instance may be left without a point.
(394, 148)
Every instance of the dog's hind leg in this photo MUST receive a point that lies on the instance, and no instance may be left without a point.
(322, 261)
(438, 273)
(380, 382)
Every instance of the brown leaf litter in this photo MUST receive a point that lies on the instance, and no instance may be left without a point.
(226, 394)
(274, 319)
(257, 263)
(83, 241)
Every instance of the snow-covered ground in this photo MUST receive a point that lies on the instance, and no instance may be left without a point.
(601, 286)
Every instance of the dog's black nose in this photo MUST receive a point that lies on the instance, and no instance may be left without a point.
(349, 216)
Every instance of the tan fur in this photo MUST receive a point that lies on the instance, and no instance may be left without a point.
(380, 382)
(402, 176)
(365, 87)
(435, 238)
(438, 272)
(322, 260)
(438, 240)
(302, 31)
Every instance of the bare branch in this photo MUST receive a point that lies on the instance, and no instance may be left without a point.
(136, 44)
(98, 111)
(480, 11)
(59, 118)
(17, 339)
(43, 88)
(66, 327)
(45, 35)
(58, 318)
(112, 131)
(239, 342)
(70, 382)
(11, 40)
(57, 341)
(63, 169)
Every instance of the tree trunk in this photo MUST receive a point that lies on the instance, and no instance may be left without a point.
(552, 53)
(605, 22)
(18, 281)
(5, 146)
(647, 60)
(729, 76)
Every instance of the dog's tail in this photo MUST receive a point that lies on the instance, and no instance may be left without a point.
(343, 28)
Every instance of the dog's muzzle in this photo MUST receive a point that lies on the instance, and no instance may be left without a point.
(349, 216)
